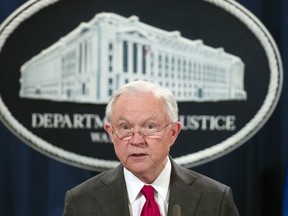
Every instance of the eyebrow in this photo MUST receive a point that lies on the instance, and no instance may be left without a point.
(145, 121)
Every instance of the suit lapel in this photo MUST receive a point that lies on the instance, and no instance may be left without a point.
(182, 192)
(112, 197)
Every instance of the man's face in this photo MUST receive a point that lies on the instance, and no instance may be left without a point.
(145, 157)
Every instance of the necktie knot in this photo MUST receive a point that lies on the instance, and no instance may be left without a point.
(150, 207)
(148, 192)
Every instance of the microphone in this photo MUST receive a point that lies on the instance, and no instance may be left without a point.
(176, 210)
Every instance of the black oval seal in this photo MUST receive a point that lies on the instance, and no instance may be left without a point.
(60, 61)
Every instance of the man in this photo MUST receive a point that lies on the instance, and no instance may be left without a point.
(142, 122)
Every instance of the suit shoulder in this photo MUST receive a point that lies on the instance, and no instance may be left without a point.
(97, 182)
(208, 183)
(201, 181)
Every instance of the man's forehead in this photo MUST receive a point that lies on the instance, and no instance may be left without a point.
(138, 108)
(131, 120)
(147, 97)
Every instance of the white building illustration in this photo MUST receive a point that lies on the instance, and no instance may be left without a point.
(96, 58)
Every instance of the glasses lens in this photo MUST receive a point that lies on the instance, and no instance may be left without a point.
(145, 132)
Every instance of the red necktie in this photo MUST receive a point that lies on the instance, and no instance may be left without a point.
(150, 207)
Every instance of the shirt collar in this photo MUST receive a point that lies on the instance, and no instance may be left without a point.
(161, 183)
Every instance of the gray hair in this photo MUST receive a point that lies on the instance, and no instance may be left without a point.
(140, 87)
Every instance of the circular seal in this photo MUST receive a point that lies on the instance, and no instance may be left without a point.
(60, 61)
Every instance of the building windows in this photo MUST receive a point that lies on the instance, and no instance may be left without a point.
(152, 64)
(125, 56)
(82, 56)
(145, 53)
(135, 57)
(110, 57)
(160, 65)
(83, 88)
(110, 92)
(80, 62)
(110, 63)
(110, 46)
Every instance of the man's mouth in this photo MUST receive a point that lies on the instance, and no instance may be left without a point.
(138, 155)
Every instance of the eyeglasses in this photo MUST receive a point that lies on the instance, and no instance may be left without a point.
(126, 132)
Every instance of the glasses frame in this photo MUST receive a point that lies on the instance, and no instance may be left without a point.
(127, 138)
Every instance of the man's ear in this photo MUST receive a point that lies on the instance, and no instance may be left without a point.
(175, 130)
(108, 128)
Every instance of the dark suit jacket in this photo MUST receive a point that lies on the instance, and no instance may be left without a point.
(106, 195)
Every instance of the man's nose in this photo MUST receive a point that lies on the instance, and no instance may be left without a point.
(137, 138)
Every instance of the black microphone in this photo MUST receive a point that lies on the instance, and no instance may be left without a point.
(176, 210)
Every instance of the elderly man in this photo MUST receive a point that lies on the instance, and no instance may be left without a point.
(142, 122)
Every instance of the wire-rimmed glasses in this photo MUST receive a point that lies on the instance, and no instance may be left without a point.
(126, 132)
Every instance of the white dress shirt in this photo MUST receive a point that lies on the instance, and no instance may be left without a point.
(161, 186)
